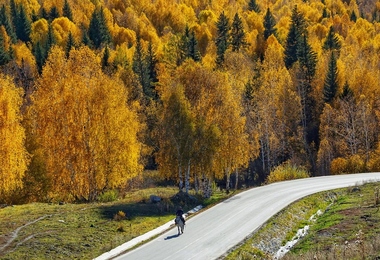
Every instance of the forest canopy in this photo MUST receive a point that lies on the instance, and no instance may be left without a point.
(94, 92)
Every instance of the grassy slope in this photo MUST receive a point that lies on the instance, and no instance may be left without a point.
(348, 229)
(81, 231)
(84, 231)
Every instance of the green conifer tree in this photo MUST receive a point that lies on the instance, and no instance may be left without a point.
(222, 39)
(85, 38)
(353, 16)
(140, 68)
(53, 14)
(94, 29)
(332, 41)
(253, 6)
(105, 63)
(237, 34)
(183, 46)
(98, 31)
(347, 93)
(6, 22)
(50, 40)
(331, 81)
(269, 24)
(44, 13)
(40, 55)
(4, 55)
(151, 62)
(66, 11)
(193, 50)
(13, 12)
(104, 30)
(70, 44)
(324, 13)
(307, 58)
(307, 61)
(297, 28)
(23, 25)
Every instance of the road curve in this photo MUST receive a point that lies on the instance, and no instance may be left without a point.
(213, 232)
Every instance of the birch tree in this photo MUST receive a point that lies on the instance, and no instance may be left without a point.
(13, 155)
(86, 131)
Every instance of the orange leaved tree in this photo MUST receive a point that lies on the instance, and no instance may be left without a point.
(13, 155)
(84, 127)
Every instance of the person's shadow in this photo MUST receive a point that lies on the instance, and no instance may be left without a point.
(170, 237)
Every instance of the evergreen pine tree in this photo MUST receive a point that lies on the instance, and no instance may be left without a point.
(193, 51)
(331, 81)
(50, 40)
(307, 58)
(66, 11)
(183, 46)
(353, 16)
(237, 34)
(85, 38)
(324, 13)
(98, 31)
(6, 22)
(331, 42)
(105, 58)
(39, 54)
(269, 24)
(34, 16)
(13, 12)
(222, 39)
(253, 6)
(140, 68)
(44, 13)
(104, 31)
(53, 14)
(4, 56)
(347, 93)
(70, 44)
(94, 29)
(297, 28)
(23, 25)
(151, 63)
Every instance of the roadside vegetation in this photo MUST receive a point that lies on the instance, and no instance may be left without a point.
(347, 229)
(86, 230)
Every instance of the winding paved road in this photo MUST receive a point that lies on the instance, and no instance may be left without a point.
(213, 232)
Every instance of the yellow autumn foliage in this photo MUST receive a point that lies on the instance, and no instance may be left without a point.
(92, 143)
(286, 172)
(62, 27)
(39, 30)
(13, 155)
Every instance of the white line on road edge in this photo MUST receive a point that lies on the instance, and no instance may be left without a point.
(135, 241)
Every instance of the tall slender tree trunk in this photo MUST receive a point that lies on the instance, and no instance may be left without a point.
(187, 177)
(228, 175)
(236, 178)
(180, 184)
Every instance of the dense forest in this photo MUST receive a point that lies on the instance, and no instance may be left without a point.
(93, 92)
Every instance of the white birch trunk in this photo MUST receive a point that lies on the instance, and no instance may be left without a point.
(187, 177)
(236, 178)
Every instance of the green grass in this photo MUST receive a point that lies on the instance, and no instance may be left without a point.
(281, 228)
(348, 229)
(81, 231)
(85, 231)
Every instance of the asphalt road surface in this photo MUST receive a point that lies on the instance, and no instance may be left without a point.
(213, 232)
